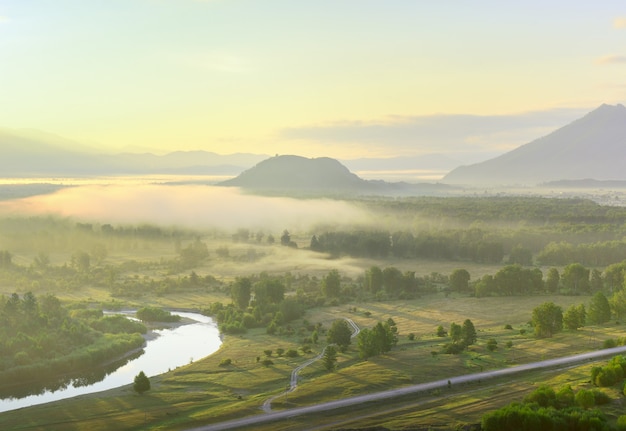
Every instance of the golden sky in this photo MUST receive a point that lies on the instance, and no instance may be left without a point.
(339, 78)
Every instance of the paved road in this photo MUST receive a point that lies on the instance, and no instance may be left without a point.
(413, 389)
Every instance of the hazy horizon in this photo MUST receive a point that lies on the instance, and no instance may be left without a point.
(349, 80)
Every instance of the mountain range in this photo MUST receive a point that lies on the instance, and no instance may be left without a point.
(593, 147)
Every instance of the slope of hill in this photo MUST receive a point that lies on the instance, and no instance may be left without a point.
(320, 176)
(592, 147)
(297, 173)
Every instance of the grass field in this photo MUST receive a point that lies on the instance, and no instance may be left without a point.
(203, 392)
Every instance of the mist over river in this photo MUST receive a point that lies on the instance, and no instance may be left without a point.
(168, 349)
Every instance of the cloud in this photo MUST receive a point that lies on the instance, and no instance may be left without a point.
(619, 22)
(192, 206)
(412, 135)
(611, 59)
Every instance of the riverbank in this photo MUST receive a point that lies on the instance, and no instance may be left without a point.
(194, 337)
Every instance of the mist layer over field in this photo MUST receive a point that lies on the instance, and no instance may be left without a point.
(187, 205)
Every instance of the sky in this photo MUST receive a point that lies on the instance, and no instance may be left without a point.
(337, 78)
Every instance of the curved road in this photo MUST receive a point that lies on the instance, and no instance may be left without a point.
(267, 405)
(413, 389)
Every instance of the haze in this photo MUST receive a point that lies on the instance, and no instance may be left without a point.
(340, 79)
(188, 206)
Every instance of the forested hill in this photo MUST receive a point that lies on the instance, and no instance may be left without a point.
(592, 147)
(297, 173)
(291, 174)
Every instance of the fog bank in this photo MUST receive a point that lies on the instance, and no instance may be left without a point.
(187, 205)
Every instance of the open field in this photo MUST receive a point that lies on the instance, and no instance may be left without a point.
(204, 392)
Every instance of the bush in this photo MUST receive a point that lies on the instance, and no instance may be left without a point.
(292, 353)
(441, 332)
(609, 343)
(267, 362)
(600, 398)
(492, 344)
(411, 336)
(453, 348)
(225, 362)
(507, 326)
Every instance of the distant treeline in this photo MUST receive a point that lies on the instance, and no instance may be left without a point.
(532, 209)
(473, 245)
(486, 230)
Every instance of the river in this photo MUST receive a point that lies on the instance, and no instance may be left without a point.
(168, 349)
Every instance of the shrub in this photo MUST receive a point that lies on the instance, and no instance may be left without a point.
(267, 362)
(268, 352)
(441, 332)
(225, 362)
(280, 351)
(411, 336)
(292, 353)
(507, 326)
(600, 398)
(609, 343)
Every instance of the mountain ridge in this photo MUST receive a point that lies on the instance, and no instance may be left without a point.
(593, 146)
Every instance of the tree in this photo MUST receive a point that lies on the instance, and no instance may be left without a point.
(576, 278)
(241, 291)
(456, 332)
(552, 280)
(585, 398)
(459, 280)
(331, 284)
(596, 282)
(374, 279)
(393, 280)
(142, 383)
(81, 261)
(618, 303)
(340, 334)
(380, 339)
(315, 244)
(330, 358)
(599, 309)
(575, 317)
(269, 291)
(468, 332)
(547, 319)
(521, 255)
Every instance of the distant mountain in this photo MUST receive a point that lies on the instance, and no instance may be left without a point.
(291, 174)
(36, 154)
(591, 147)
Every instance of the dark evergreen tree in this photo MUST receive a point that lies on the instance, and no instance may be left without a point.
(141, 383)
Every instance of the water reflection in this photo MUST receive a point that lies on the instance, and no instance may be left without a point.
(171, 348)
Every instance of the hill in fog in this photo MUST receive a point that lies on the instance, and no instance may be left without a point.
(321, 176)
(592, 147)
